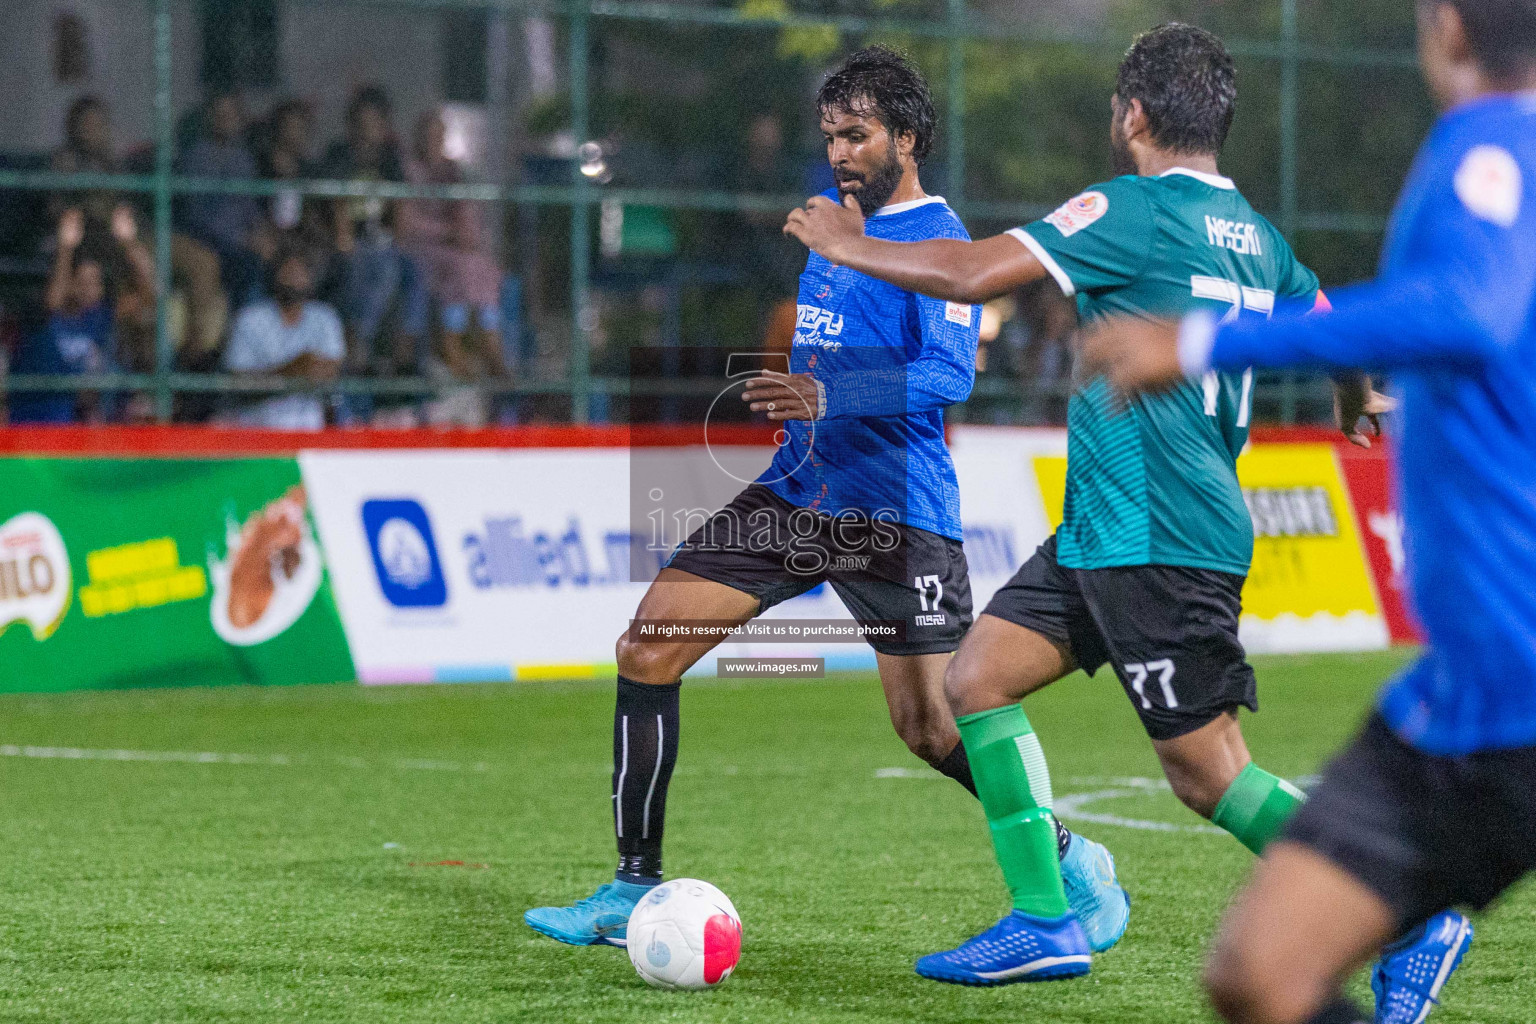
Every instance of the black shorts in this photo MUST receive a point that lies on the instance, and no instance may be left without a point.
(884, 572)
(1423, 832)
(1169, 632)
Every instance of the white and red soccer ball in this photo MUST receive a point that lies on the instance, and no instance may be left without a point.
(684, 934)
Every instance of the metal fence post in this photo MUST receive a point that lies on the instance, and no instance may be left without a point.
(581, 269)
(1290, 141)
(164, 156)
(956, 131)
(1289, 130)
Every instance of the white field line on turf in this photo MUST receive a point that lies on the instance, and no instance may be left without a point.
(212, 757)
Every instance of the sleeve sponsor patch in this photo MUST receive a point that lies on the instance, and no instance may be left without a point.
(957, 313)
(1488, 184)
(1079, 212)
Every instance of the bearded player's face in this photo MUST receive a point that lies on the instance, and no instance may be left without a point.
(866, 163)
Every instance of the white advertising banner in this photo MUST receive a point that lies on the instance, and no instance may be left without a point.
(483, 565)
(504, 564)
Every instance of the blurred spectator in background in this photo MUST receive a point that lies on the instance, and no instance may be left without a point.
(223, 224)
(287, 335)
(109, 218)
(80, 335)
(1044, 358)
(291, 220)
(449, 244)
(87, 149)
(768, 265)
(377, 275)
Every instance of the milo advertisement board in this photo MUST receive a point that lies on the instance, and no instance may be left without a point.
(118, 573)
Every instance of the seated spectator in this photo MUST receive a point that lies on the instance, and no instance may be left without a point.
(223, 224)
(290, 220)
(80, 335)
(377, 275)
(449, 244)
(287, 335)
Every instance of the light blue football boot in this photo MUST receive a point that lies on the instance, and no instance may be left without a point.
(599, 920)
(1412, 971)
(1102, 907)
(1020, 947)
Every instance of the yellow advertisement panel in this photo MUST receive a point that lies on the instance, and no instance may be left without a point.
(1310, 587)
(1307, 557)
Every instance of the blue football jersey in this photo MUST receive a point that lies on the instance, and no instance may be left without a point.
(888, 362)
(1453, 317)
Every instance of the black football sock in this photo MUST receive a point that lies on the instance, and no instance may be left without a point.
(957, 765)
(1063, 839)
(1340, 1012)
(644, 753)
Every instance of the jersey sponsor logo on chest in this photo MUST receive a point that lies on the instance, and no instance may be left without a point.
(1239, 236)
(818, 320)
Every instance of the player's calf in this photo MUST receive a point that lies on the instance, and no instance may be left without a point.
(914, 693)
(1210, 771)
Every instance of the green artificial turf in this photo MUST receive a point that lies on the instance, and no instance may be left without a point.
(304, 881)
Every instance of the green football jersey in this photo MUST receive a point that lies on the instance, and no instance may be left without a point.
(1156, 483)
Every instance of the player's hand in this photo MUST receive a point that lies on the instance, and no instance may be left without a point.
(1354, 398)
(71, 229)
(825, 227)
(784, 396)
(1136, 355)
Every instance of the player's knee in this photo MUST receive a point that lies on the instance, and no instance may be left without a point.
(645, 662)
(964, 682)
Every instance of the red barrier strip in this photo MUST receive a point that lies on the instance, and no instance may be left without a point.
(199, 441)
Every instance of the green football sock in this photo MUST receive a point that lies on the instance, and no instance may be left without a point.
(1015, 790)
(1256, 807)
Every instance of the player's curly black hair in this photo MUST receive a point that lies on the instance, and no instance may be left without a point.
(1186, 83)
(880, 81)
(1501, 32)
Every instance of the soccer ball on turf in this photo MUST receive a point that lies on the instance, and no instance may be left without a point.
(684, 934)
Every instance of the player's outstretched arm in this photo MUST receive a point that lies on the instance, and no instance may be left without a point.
(943, 268)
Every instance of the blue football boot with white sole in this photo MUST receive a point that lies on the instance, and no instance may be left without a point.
(1102, 907)
(599, 920)
(1020, 947)
(1412, 971)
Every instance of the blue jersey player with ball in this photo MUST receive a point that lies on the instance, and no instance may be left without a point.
(861, 494)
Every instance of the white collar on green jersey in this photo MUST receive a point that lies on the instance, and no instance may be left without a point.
(1213, 180)
(911, 204)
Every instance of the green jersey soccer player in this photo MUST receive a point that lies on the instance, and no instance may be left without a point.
(1147, 569)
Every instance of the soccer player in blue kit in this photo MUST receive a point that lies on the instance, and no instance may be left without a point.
(861, 495)
(1434, 803)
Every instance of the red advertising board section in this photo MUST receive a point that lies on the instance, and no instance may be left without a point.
(1366, 472)
(1369, 478)
(184, 442)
